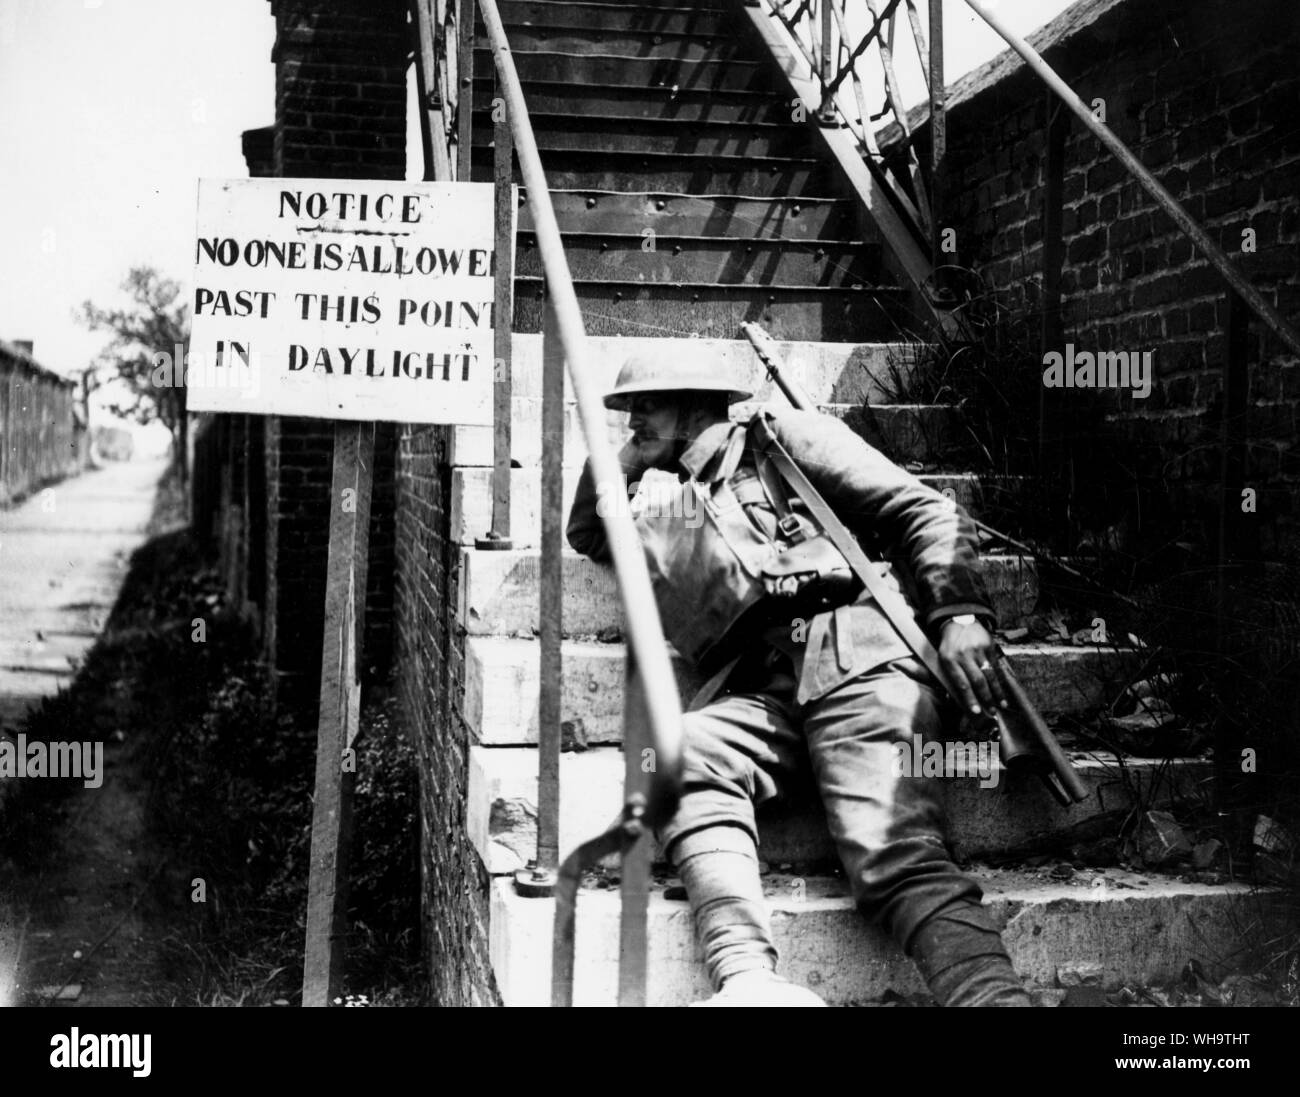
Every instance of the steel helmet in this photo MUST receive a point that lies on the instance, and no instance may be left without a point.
(667, 371)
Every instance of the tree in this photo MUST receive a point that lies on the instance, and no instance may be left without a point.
(154, 324)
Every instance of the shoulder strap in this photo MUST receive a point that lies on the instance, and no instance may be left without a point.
(891, 604)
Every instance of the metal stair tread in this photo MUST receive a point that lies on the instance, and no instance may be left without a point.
(727, 157)
(598, 192)
(658, 9)
(802, 241)
(543, 85)
(812, 204)
(773, 286)
(754, 65)
(541, 120)
(640, 5)
(595, 32)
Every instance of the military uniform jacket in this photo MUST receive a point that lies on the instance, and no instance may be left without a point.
(921, 537)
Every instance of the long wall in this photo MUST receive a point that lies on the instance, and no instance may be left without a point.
(41, 438)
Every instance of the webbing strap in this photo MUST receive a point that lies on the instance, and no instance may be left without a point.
(891, 604)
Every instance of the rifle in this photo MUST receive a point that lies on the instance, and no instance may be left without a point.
(1026, 743)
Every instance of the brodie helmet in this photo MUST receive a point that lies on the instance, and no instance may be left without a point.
(664, 372)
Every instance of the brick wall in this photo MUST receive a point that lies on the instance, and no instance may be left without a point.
(1205, 93)
(430, 663)
(340, 81)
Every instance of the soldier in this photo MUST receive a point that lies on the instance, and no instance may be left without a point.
(808, 674)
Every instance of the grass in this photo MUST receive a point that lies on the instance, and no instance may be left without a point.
(229, 796)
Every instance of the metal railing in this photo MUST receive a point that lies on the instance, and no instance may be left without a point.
(652, 716)
(836, 54)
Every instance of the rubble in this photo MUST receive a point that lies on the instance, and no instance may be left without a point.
(1161, 840)
(1206, 853)
(1084, 973)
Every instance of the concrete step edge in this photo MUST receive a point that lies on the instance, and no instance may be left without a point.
(501, 813)
(499, 692)
(1139, 934)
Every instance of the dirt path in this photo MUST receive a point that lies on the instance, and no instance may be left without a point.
(63, 555)
(92, 920)
(80, 917)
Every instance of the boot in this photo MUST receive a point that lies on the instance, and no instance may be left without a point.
(959, 952)
(761, 987)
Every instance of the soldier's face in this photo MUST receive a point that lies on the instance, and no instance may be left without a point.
(655, 422)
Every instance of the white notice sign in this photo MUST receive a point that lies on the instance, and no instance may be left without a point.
(344, 299)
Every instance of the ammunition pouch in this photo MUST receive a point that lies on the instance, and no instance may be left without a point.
(811, 574)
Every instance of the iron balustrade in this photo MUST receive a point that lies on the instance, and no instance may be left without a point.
(820, 31)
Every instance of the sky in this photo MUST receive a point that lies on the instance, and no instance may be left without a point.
(111, 110)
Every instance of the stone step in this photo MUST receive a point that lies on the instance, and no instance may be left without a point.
(587, 70)
(708, 309)
(987, 817)
(594, 167)
(723, 105)
(670, 213)
(618, 41)
(501, 679)
(1140, 929)
(471, 499)
(635, 257)
(904, 432)
(498, 593)
(561, 132)
(678, 18)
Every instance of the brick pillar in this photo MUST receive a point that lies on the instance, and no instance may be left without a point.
(259, 151)
(340, 112)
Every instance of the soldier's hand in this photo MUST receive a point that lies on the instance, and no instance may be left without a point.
(970, 656)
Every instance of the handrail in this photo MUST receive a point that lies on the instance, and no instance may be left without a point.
(652, 684)
(644, 631)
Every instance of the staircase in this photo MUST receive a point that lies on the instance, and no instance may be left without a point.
(689, 200)
(681, 180)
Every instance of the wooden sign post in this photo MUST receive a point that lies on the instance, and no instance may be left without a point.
(340, 711)
(358, 301)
